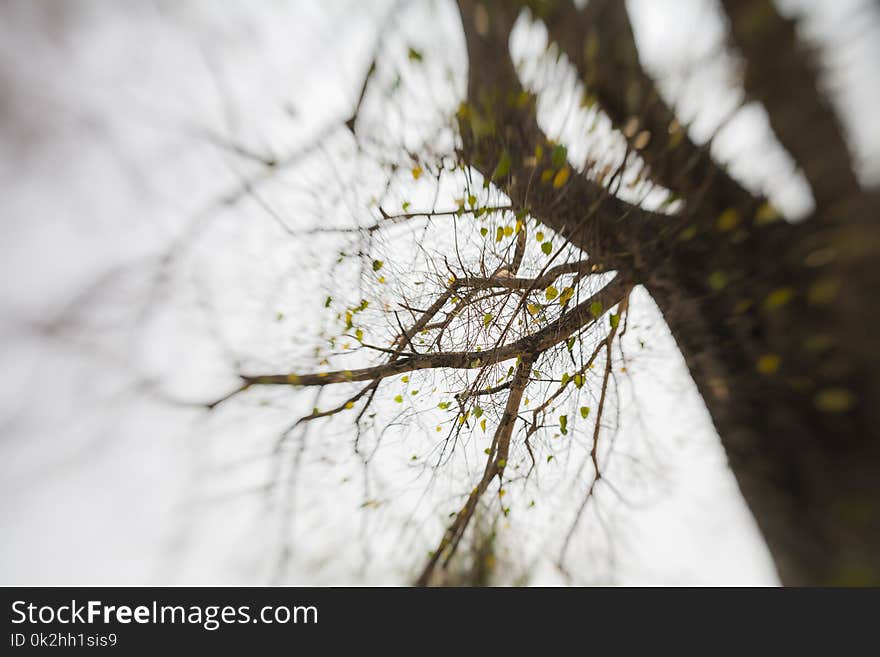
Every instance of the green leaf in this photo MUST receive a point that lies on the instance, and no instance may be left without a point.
(565, 378)
(570, 343)
(399, 399)
(477, 411)
(499, 234)
(563, 424)
(614, 320)
(566, 295)
(414, 55)
(585, 411)
(718, 280)
(547, 247)
(487, 319)
(377, 265)
(551, 293)
(483, 231)
(443, 405)
(578, 381)
(559, 156)
(328, 301)
(596, 308)
(359, 335)
(503, 167)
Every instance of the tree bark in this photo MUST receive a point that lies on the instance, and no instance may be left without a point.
(775, 321)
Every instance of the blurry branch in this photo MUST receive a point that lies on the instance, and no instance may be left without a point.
(387, 24)
(392, 219)
(556, 332)
(516, 283)
(532, 173)
(781, 73)
(597, 427)
(495, 464)
(599, 42)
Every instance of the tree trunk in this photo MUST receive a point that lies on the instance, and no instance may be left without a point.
(775, 320)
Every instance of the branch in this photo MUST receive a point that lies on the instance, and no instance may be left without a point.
(501, 138)
(514, 283)
(558, 331)
(599, 42)
(782, 74)
(495, 464)
(393, 219)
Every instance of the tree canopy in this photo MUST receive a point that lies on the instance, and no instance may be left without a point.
(520, 205)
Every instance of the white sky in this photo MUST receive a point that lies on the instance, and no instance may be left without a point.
(105, 168)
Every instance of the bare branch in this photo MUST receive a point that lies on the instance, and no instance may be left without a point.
(550, 335)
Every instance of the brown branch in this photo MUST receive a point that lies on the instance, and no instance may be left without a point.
(495, 464)
(781, 72)
(394, 219)
(550, 335)
(594, 450)
(599, 42)
(498, 126)
(514, 283)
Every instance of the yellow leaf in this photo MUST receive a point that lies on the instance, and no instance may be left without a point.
(539, 236)
(551, 293)
(561, 177)
(778, 298)
(834, 400)
(766, 214)
(727, 220)
(768, 364)
(566, 295)
(641, 140)
(417, 172)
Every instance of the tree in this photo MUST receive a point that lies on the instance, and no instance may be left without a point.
(775, 319)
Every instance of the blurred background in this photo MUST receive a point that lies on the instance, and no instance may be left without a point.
(163, 166)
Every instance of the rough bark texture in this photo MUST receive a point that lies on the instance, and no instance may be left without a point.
(776, 321)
